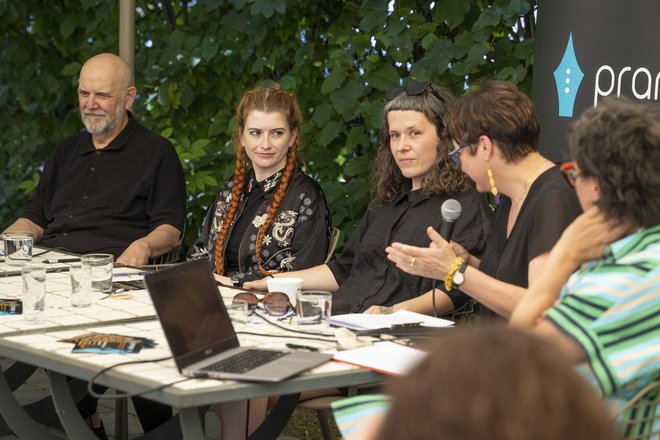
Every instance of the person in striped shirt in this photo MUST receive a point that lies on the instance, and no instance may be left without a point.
(603, 317)
(606, 315)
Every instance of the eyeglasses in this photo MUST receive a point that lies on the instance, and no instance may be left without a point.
(412, 89)
(570, 173)
(454, 154)
(275, 303)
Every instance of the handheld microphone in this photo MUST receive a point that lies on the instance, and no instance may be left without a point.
(451, 211)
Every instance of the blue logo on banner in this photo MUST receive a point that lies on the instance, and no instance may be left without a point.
(568, 77)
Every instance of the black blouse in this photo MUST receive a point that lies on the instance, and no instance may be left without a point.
(550, 206)
(296, 239)
(366, 277)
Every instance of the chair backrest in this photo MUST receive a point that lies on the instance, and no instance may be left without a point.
(334, 239)
(639, 418)
(464, 315)
(176, 255)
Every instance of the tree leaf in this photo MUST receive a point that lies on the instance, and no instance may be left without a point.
(332, 81)
(452, 11)
(330, 132)
(322, 113)
(383, 78)
(68, 26)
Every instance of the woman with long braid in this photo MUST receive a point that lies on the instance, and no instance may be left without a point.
(412, 177)
(270, 216)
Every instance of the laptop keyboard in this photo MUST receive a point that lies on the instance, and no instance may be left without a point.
(245, 361)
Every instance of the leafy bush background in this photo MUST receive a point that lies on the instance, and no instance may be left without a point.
(194, 59)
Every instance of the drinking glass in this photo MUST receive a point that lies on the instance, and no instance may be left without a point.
(101, 270)
(18, 248)
(313, 310)
(81, 285)
(34, 292)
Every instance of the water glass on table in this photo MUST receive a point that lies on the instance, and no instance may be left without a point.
(313, 310)
(101, 270)
(18, 248)
(81, 285)
(34, 292)
(238, 311)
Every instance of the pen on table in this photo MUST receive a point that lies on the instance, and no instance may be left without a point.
(301, 347)
(126, 274)
(61, 260)
(407, 325)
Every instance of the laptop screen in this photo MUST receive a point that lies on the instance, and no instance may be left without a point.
(191, 312)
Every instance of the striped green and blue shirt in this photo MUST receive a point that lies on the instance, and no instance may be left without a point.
(611, 308)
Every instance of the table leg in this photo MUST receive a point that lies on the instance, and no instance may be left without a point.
(18, 373)
(17, 418)
(70, 417)
(121, 418)
(191, 424)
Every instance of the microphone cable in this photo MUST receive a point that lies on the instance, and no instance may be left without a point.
(90, 382)
(434, 284)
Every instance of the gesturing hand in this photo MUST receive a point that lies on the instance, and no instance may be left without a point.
(431, 262)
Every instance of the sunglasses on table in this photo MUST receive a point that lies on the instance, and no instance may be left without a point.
(412, 89)
(570, 173)
(275, 303)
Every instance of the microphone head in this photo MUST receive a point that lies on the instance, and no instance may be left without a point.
(451, 210)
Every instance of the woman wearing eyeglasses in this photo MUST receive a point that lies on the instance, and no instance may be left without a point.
(495, 134)
(412, 176)
(270, 216)
(599, 298)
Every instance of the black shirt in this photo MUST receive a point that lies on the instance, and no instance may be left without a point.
(91, 200)
(254, 200)
(550, 206)
(366, 277)
(297, 238)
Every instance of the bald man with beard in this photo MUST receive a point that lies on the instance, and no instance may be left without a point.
(117, 187)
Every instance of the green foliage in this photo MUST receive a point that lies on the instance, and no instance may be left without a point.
(193, 61)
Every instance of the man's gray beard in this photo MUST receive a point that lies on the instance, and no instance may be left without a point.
(107, 125)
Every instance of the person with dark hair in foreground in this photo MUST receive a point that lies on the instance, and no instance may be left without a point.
(605, 315)
(501, 384)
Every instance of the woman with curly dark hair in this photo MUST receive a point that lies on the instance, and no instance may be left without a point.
(412, 176)
(495, 134)
(270, 216)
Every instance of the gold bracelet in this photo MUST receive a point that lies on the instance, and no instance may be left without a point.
(449, 279)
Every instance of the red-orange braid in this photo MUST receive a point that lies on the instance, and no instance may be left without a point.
(267, 98)
(239, 183)
(277, 199)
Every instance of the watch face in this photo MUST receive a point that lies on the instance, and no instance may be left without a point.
(458, 278)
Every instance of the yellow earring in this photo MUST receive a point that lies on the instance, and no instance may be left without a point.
(493, 188)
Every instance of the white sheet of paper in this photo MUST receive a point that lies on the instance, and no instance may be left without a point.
(362, 321)
(384, 357)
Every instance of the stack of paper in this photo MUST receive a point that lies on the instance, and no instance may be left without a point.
(362, 321)
(384, 357)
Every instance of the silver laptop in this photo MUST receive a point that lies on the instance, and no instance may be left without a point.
(202, 337)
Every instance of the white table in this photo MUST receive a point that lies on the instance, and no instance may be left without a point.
(39, 346)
